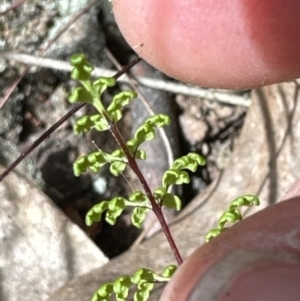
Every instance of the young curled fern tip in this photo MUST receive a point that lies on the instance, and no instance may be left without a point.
(95, 213)
(169, 271)
(82, 68)
(104, 292)
(229, 217)
(102, 83)
(232, 214)
(139, 196)
(119, 101)
(246, 200)
(146, 131)
(191, 162)
(91, 91)
(176, 175)
(115, 207)
(121, 287)
(87, 122)
(212, 234)
(94, 161)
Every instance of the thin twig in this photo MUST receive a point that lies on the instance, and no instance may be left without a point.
(37, 142)
(126, 68)
(12, 7)
(12, 87)
(173, 87)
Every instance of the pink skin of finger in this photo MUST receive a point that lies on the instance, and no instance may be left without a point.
(250, 275)
(273, 233)
(232, 44)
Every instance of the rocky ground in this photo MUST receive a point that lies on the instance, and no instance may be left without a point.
(205, 126)
(200, 124)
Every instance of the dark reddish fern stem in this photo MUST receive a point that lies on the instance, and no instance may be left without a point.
(155, 207)
(12, 7)
(37, 142)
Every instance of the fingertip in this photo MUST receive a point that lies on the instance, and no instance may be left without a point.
(274, 230)
(250, 275)
(230, 44)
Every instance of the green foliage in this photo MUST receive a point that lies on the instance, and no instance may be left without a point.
(106, 119)
(88, 122)
(119, 101)
(177, 175)
(82, 69)
(116, 205)
(94, 161)
(138, 199)
(232, 214)
(91, 92)
(146, 131)
(143, 280)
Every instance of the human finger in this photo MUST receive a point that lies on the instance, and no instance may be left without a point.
(263, 248)
(231, 44)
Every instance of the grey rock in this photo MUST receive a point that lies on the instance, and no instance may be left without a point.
(40, 249)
